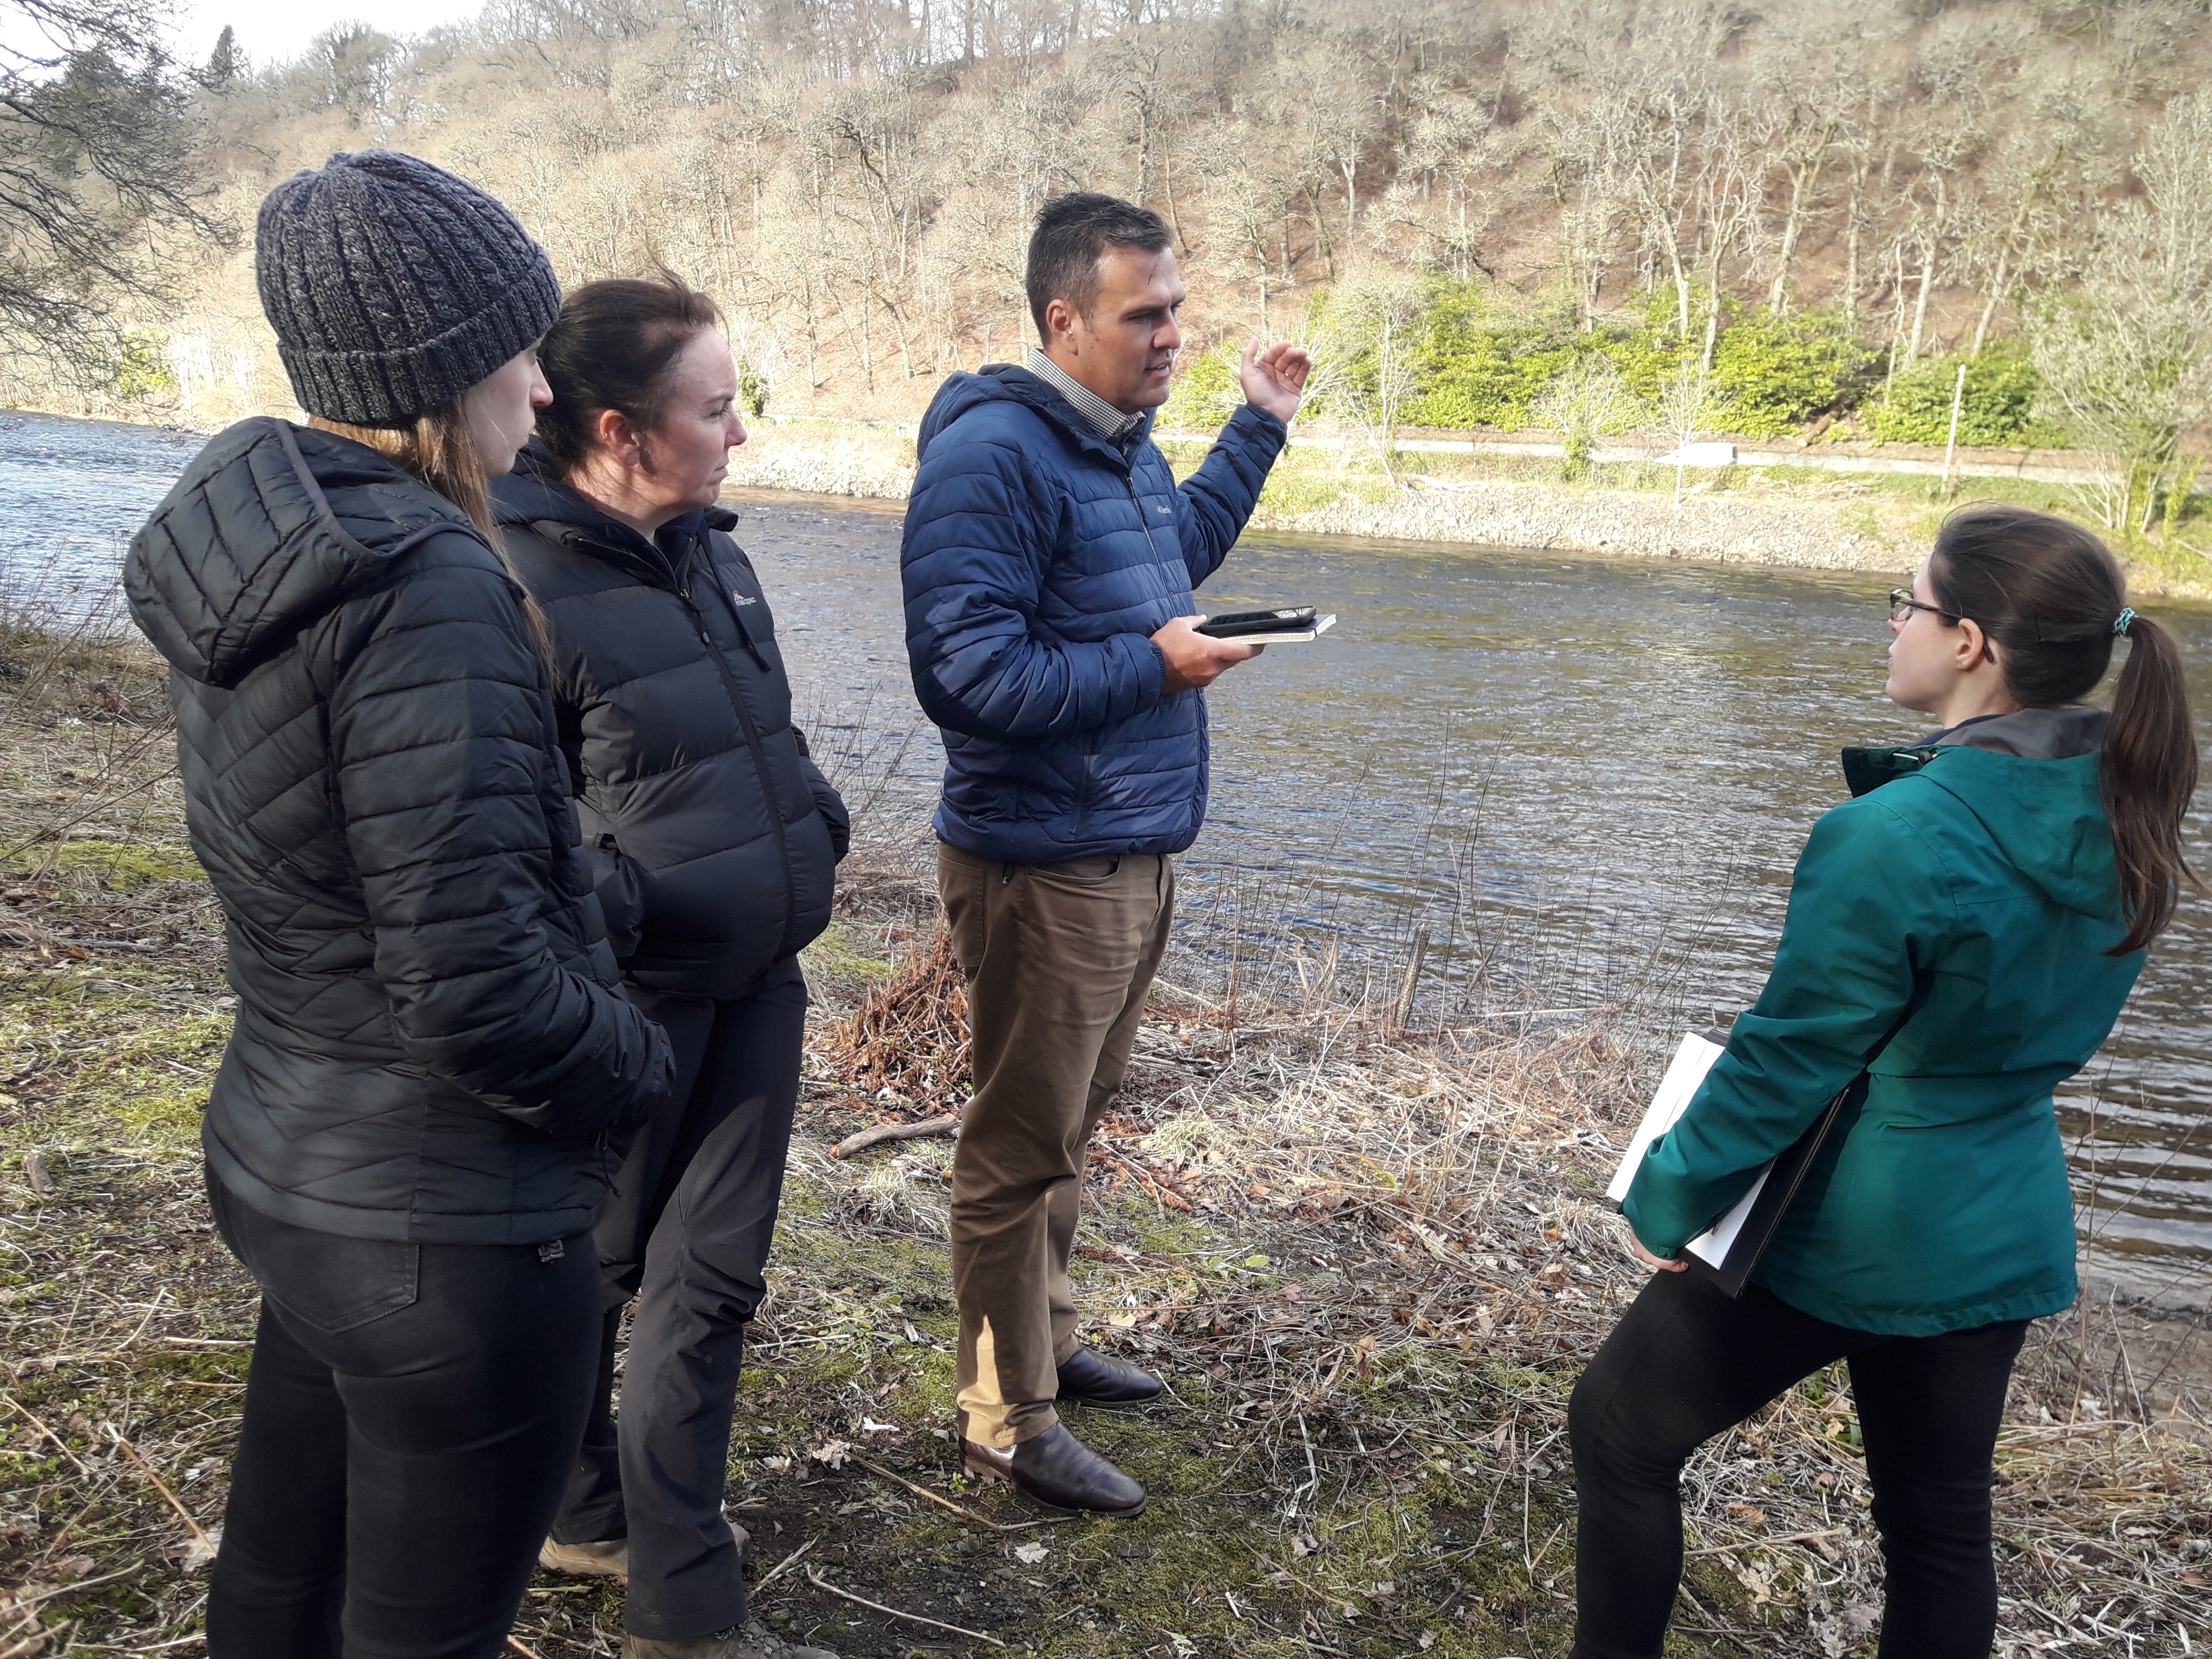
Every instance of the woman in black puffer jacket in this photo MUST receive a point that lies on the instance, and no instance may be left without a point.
(432, 1067)
(718, 839)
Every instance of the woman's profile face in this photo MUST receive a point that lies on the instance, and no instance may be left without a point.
(687, 455)
(1921, 649)
(501, 410)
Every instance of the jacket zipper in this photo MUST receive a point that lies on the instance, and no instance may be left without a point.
(760, 760)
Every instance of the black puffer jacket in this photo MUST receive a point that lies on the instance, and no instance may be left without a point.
(694, 788)
(427, 1047)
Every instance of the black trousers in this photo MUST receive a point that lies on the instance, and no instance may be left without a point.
(1686, 1362)
(687, 1231)
(411, 1410)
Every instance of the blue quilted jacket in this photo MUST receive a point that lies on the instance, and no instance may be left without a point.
(1039, 558)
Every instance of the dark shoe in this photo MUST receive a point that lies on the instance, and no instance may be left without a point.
(753, 1641)
(1092, 1379)
(1060, 1472)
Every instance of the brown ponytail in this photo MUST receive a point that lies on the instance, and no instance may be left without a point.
(2052, 598)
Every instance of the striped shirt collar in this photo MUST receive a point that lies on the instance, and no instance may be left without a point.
(1110, 421)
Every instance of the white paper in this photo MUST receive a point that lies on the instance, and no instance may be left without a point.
(1676, 1089)
(1713, 1245)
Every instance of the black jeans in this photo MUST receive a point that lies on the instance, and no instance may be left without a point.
(1686, 1362)
(411, 1413)
(687, 1231)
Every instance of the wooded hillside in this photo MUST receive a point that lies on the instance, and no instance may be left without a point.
(1764, 216)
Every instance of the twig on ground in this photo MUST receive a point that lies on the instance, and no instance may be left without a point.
(39, 1423)
(131, 1452)
(875, 1134)
(820, 1582)
(781, 1567)
(958, 1509)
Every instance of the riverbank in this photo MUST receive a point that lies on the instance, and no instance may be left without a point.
(1784, 516)
(1371, 1262)
(1799, 518)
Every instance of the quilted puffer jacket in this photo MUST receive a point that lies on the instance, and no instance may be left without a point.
(1038, 560)
(716, 838)
(429, 1045)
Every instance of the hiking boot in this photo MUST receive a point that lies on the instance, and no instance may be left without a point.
(608, 1558)
(752, 1640)
(1060, 1472)
(1090, 1378)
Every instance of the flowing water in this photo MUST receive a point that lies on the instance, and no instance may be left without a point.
(1585, 780)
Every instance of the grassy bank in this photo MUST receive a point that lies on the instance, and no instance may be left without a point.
(1371, 1264)
(1802, 517)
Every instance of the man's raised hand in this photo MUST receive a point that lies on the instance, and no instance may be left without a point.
(1196, 659)
(1275, 379)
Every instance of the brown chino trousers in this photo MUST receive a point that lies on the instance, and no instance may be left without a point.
(1058, 958)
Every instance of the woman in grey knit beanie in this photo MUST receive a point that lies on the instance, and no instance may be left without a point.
(432, 1065)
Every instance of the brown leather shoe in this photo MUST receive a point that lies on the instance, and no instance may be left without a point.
(1090, 1378)
(752, 1640)
(1060, 1472)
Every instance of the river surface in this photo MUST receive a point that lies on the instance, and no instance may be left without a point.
(1585, 780)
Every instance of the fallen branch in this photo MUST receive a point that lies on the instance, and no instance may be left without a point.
(36, 1422)
(958, 1509)
(515, 1642)
(781, 1567)
(1766, 1543)
(947, 1124)
(820, 1582)
(131, 1452)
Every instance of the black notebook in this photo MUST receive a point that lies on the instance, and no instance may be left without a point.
(1726, 1252)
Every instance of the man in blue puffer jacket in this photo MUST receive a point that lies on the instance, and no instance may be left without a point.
(1049, 560)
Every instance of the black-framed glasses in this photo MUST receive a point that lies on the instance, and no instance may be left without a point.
(1902, 605)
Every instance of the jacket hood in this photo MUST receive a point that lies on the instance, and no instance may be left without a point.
(1011, 383)
(2030, 780)
(535, 493)
(270, 527)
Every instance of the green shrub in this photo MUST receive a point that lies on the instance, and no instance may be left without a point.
(1998, 408)
(1479, 364)
(1205, 393)
(1781, 372)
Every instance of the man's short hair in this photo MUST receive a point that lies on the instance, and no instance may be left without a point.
(1072, 235)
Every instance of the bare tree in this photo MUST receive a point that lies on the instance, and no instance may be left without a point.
(97, 184)
(1363, 339)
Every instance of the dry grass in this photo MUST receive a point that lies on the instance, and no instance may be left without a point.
(1371, 1268)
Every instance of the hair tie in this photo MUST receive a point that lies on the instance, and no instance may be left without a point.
(2120, 623)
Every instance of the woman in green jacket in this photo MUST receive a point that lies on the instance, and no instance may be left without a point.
(1960, 938)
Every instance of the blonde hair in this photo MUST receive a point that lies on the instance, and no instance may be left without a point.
(437, 447)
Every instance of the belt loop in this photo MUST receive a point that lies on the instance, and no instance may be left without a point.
(1006, 874)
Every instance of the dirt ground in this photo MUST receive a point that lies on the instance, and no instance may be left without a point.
(1370, 1264)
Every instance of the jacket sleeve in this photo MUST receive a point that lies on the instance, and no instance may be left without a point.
(1214, 502)
(827, 801)
(441, 740)
(1868, 905)
(973, 566)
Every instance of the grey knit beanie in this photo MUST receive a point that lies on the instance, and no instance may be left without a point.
(393, 286)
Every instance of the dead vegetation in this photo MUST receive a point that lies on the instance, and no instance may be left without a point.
(1371, 1267)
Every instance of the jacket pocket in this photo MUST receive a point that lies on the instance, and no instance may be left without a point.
(621, 891)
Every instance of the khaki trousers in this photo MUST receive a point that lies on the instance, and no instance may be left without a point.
(1058, 958)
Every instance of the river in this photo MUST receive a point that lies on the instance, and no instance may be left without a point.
(1585, 780)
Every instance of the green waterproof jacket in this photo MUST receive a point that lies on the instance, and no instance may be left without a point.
(1944, 959)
